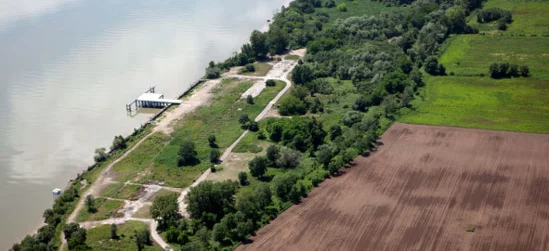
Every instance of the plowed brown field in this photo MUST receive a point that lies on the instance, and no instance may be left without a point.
(421, 190)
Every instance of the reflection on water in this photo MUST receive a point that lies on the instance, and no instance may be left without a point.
(68, 68)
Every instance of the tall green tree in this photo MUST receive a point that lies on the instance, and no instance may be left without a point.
(165, 210)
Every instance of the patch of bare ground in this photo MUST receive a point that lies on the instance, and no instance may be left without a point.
(422, 189)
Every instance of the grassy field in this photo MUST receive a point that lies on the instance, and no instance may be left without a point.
(509, 104)
(529, 17)
(105, 209)
(139, 159)
(261, 69)
(121, 191)
(98, 238)
(292, 57)
(473, 54)
(219, 118)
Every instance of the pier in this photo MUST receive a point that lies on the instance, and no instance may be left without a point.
(151, 99)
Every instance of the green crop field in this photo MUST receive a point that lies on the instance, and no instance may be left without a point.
(514, 104)
(473, 54)
(529, 17)
(509, 104)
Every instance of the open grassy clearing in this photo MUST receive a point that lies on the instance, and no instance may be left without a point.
(98, 238)
(122, 191)
(357, 8)
(473, 54)
(292, 57)
(162, 192)
(529, 17)
(508, 104)
(139, 159)
(261, 69)
(105, 209)
(144, 212)
(219, 118)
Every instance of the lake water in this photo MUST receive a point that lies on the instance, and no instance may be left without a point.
(68, 67)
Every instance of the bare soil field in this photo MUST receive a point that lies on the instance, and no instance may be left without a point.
(421, 190)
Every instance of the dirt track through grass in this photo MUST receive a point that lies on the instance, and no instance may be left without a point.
(421, 191)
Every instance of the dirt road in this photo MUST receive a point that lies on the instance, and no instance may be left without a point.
(423, 188)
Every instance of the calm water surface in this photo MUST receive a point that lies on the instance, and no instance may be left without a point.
(68, 67)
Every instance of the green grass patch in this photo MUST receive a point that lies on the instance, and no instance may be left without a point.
(529, 17)
(219, 118)
(261, 69)
(248, 144)
(139, 159)
(144, 212)
(98, 238)
(162, 192)
(121, 191)
(509, 104)
(105, 209)
(473, 54)
(292, 57)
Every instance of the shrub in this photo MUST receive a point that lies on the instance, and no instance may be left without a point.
(270, 82)
(524, 71)
(329, 3)
(213, 72)
(187, 154)
(250, 99)
(253, 126)
(243, 178)
(211, 140)
(214, 155)
(342, 7)
(258, 166)
(290, 105)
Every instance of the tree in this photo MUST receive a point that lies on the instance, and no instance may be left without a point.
(118, 143)
(188, 154)
(250, 99)
(361, 104)
(407, 95)
(351, 118)
(290, 105)
(282, 185)
(277, 40)
(142, 238)
(258, 40)
(208, 201)
(524, 71)
(75, 236)
(243, 119)
(253, 126)
(165, 210)
(243, 178)
(432, 67)
(211, 141)
(335, 131)
(317, 133)
(114, 235)
(100, 155)
(288, 158)
(270, 82)
(342, 7)
(90, 204)
(329, 3)
(258, 166)
(302, 74)
(325, 154)
(273, 153)
(214, 155)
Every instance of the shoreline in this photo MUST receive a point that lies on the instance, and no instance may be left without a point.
(194, 85)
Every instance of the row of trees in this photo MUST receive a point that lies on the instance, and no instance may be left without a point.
(506, 70)
(503, 17)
